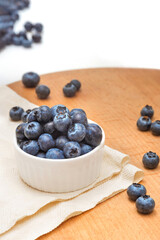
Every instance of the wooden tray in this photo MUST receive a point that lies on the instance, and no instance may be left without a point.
(113, 98)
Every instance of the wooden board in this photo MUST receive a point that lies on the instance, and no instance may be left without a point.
(113, 98)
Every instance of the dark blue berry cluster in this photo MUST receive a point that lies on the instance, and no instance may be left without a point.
(71, 88)
(55, 133)
(144, 203)
(144, 123)
(8, 16)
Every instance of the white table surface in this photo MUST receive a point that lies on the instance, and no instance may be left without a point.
(87, 34)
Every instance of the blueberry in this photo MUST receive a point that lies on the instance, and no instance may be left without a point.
(28, 26)
(85, 148)
(76, 83)
(75, 110)
(155, 128)
(59, 109)
(41, 154)
(32, 116)
(79, 117)
(20, 131)
(22, 34)
(150, 160)
(145, 204)
(72, 150)
(49, 127)
(77, 132)
(24, 115)
(31, 147)
(43, 114)
(136, 190)
(4, 26)
(33, 130)
(42, 91)
(38, 27)
(17, 41)
(93, 135)
(30, 79)
(46, 142)
(21, 142)
(15, 113)
(61, 141)
(36, 38)
(144, 123)
(69, 90)
(62, 121)
(7, 39)
(26, 43)
(147, 111)
(55, 153)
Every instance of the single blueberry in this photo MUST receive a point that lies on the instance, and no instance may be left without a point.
(76, 83)
(31, 147)
(42, 91)
(55, 153)
(93, 135)
(32, 116)
(144, 123)
(36, 37)
(145, 204)
(62, 121)
(28, 26)
(43, 114)
(150, 160)
(85, 148)
(79, 117)
(20, 131)
(49, 127)
(155, 128)
(22, 34)
(26, 43)
(38, 27)
(41, 154)
(77, 132)
(30, 79)
(24, 115)
(69, 90)
(61, 141)
(21, 142)
(15, 113)
(33, 130)
(147, 111)
(59, 109)
(46, 142)
(75, 110)
(14, 16)
(72, 149)
(136, 190)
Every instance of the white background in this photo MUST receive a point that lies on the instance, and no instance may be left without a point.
(86, 34)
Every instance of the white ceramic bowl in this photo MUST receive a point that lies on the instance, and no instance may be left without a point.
(65, 175)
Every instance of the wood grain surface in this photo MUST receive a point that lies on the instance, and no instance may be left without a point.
(113, 98)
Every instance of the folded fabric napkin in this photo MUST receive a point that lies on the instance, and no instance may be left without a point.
(45, 211)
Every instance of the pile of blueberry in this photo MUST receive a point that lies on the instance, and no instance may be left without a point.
(8, 16)
(144, 123)
(55, 133)
(144, 203)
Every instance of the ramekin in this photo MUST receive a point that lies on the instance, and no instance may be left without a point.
(64, 175)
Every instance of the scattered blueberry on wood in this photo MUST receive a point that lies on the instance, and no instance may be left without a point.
(42, 91)
(30, 79)
(150, 160)
(144, 123)
(145, 204)
(147, 111)
(136, 190)
(71, 88)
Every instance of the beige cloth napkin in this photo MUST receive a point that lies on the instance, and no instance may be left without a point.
(45, 211)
